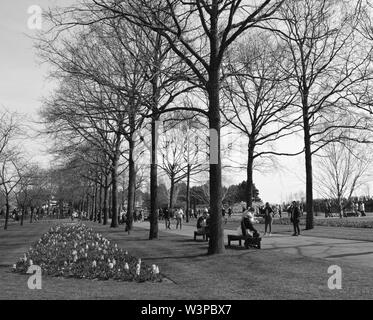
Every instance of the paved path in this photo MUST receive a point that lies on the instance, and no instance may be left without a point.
(359, 253)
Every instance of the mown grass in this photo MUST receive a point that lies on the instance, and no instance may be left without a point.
(238, 274)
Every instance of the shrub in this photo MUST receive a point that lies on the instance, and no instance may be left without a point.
(331, 222)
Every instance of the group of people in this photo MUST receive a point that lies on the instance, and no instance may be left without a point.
(359, 208)
(248, 220)
(167, 214)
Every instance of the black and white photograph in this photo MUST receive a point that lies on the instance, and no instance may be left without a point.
(186, 155)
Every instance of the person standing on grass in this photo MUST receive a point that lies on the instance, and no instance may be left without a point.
(356, 208)
(268, 217)
(295, 217)
(229, 212)
(179, 218)
(362, 208)
(167, 218)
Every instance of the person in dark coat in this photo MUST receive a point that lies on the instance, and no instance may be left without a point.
(295, 217)
(167, 218)
(268, 217)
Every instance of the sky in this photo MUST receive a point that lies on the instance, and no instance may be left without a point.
(23, 83)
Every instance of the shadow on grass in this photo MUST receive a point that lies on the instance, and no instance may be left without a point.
(349, 254)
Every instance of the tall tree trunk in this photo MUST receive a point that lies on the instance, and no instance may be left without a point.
(31, 214)
(106, 203)
(249, 182)
(153, 232)
(100, 200)
(95, 202)
(172, 191)
(114, 182)
(22, 215)
(7, 211)
(308, 162)
(188, 193)
(114, 190)
(131, 185)
(216, 243)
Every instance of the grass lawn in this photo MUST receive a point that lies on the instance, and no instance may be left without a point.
(238, 274)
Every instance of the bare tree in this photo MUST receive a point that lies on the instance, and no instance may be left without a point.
(320, 37)
(200, 33)
(343, 167)
(259, 100)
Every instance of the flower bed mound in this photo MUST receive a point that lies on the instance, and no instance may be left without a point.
(74, 250)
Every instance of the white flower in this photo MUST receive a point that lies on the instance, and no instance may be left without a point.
(114, 262)
(14, 266)
(111, 265)
(126, 267)
(138, 268)
(157, 270)
(75, 258)
(94, 264)
(30, 262)
(75, 253)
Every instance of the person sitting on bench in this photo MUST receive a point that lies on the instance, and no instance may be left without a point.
(247, 226)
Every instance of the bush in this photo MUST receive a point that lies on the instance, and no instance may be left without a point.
(331, 222)
(74, 250)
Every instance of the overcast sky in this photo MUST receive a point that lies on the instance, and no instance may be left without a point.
(23, 83)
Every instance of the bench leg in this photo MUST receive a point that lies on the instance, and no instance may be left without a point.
(240, 242)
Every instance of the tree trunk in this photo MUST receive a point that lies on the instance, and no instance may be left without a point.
(308, 162)
(95, 203)
(188, 194)
(131, 186)
(31, 214)
(100, 201)
(153, 232)
(249, 182)
(106, 205)
(172, 191)
(216, 243)
(22, 216)
(7, 210)
(114, 190)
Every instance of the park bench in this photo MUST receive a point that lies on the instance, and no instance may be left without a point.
(204, 234)
(249, 240)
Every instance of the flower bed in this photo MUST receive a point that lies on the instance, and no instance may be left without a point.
(74, 250)
(332, 222)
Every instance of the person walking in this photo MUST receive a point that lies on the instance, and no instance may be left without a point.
(167, 218)
(179, 218)
(294, 218)
(229, 212)
(268, 217)
(362, 208)
(355, 206)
